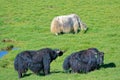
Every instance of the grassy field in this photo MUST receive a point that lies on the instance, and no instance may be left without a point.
(27, 24)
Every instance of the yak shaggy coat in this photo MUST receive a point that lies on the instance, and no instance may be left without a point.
(84, 61)
(36, 61)
(66, 24)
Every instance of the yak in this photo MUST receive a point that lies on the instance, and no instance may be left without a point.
(36, 60)
(66, 24)
(84, 61)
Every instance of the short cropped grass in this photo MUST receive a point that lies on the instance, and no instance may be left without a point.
(27, 24)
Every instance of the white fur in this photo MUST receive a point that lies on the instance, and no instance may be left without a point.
(66, 24)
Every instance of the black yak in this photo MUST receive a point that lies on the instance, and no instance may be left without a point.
(36, 61)
(84, 61)
(67, 24)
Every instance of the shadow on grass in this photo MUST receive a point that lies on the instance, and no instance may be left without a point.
(82, 31)
(109, 65)
(56, 72)
(25, 75)
(29, 74)
(41, 74)
(72, 32)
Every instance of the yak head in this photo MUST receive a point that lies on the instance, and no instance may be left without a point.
(99, 55)
(83, 26)
(59, 52)
(100, 59)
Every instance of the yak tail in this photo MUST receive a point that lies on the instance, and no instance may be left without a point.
(66, 64)
(55, 26)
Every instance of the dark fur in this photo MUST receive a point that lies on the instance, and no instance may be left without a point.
(36, 61)
(84, 61)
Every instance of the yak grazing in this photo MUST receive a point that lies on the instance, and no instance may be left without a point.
(36, 61)
(84, 61)
(67, 24)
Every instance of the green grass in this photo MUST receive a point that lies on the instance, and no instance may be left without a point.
(27, 23)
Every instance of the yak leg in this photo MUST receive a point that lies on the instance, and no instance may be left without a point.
(75, 29)
(46, 64)
(19, 74)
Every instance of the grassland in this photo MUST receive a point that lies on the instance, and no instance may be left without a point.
(27, 23)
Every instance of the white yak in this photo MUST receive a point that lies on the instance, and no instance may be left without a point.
(67, 24)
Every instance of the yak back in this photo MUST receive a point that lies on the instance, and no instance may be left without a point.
(45, 52)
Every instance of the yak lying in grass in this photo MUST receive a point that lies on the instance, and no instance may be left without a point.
(66, 24)
(36, 61)
(84, 61)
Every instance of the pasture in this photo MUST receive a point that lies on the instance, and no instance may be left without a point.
(27, 24)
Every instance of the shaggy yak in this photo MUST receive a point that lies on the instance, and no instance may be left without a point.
(66, 24)
(36, 61)
(84, 61)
